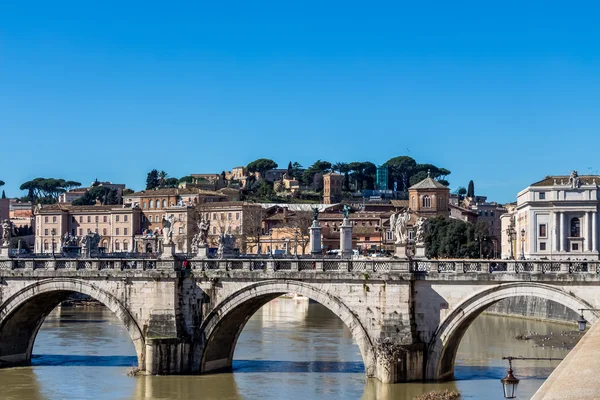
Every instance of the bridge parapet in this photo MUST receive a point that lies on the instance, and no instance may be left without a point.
(492, 266)
(92, 264)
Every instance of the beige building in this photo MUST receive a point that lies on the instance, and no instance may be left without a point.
(332, 188)
(429, 198)
(116, 225)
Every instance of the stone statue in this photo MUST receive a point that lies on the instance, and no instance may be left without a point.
(346, 211)
(399, 225)
(168, 223)
(8, 231)
(68, 240)
(315, 214)
(574, 180)
(420, 231)
(200, 239)
(226, 243)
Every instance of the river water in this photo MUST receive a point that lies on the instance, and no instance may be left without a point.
(290, 349)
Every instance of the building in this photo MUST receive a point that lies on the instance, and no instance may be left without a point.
(159, 199)
(508, 242)
(490, 213)
(556, 218)
(429, 198)
(116, 225)
(74, 194)
(275, 175)
(462, 214)
(332, 187)
(381, 182)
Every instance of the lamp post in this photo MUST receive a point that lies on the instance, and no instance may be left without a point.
(523, 244)
(510, 382)
(582, 322)
(53, 232)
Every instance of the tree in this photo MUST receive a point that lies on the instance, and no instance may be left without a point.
(113, 197)
(471, 190)
(261, 166)
(450, 238)
(318, 182)
(318, 167)
(186, 179)
(152, 180)
(461, 191)
(290, 170)
(47, 190)
(252, 227)
(3, 195)
(86, 200)
(1, 183)
(362, 174)
(297, 171)
(162, 178)
(171, 182)
(400, 169)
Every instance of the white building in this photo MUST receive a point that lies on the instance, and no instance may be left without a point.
(556, 218)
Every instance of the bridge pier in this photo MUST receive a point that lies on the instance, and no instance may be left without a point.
(400, 363)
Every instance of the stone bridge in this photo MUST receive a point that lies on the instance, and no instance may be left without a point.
(407, 317)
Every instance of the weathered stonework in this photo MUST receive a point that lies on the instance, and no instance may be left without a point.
(408, 325)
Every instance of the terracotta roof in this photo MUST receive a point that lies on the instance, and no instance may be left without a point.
(50, 208)
(564, 180)
(399, 203)
(228, 204)
(428, 183)
(175, 192)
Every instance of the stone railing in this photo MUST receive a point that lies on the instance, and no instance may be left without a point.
(378, 265)
(75, 264)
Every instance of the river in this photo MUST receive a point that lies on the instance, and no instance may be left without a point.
(289, 349)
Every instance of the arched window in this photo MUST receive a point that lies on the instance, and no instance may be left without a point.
(45, 245)
(164, 204)
(575, 227)
(105, 244)
(125, 245)
(151, 204)
(117, 245)
(426, 202)
(150, 219)
(414, 203)
(145, 205)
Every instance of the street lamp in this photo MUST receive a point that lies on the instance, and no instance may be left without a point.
(510, 382)
(53, 232)
(582, 322)
(523, 244)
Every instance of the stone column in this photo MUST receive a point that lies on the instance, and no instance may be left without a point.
(588, 231)
(346, 238)
(562, 237)
(555, 235)
(315, 238)
(594, 231)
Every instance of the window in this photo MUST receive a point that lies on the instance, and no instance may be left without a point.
(575, 227)
(104, 232)
(214, 230)
(237, 215)
(575, 246)
(485, 213)
(89, 230)
(53, 219)
(389, 235)
(145, 205)
(229, 216)
(46, 219)
(542, 195)
(413, 202)
(426, 202)
(105, 219)
(89, 219)
(80, 218)
(180, 230)
(46, 244)
(151, 204)
(411, 235)
(46, 232)
(367, 238)
(150, 219)
(125, 245)
(117, 245)
(125, 218)
(491, 213)
(164, 203)
(105, 244)
(117, 218)
(222, 216)
(97, 218)
(542, 231)
(440, 203)
(125, 231)
(181, 217)
(214, 216)
(80, 232)
(118, 231)
(543, 246)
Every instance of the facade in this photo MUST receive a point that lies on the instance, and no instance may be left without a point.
(462, 214)
(332, 188)
(490, 213)
(381, 182)
(72, 195)
(160, 199)
(557, 218)
(116, 225)
(274, 175)
(429, 198)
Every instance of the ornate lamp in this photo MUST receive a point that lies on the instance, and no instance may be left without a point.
(581, 322)
(509, 383)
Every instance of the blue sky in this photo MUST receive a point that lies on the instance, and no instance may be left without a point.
(502, 93)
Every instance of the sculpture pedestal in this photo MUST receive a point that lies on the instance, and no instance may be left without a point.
(420, 251)
(168, 251)
(401, 251)
(202, 252)
(4, 252)
(315, 238)
(346, 239)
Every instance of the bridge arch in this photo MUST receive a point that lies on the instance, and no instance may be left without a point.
(444, 344)
(223, 325)
(22, 315)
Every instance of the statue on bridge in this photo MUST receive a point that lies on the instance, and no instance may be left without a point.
(201, 238)
(226, 243)
(168, 223)
(399, 225)
(8, 231)
(420, 231)
(68, 240)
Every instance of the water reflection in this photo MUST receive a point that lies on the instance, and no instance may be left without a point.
(289, 350)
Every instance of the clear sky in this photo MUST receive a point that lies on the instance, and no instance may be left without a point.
(503, 93)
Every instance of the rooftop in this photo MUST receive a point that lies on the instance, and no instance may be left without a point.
(564, 180)
(428, 183)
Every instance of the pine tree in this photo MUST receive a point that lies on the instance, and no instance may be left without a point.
(3, 195)
(289, 170)
(471, 190)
